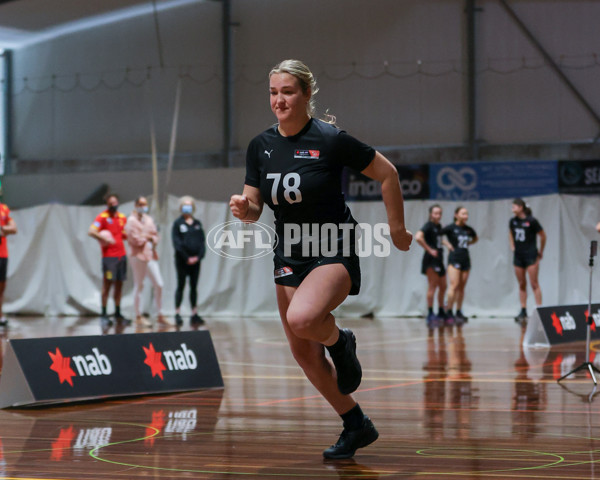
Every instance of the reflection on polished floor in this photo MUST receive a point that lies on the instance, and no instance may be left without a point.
(451, 403)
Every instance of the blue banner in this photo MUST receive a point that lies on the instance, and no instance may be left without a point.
(492, 180)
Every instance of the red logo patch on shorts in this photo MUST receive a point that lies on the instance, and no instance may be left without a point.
(283, 272)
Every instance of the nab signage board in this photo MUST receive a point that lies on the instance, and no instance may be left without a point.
(561, 324)
(60, 369)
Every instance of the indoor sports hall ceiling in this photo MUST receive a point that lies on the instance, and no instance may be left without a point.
(23, 22)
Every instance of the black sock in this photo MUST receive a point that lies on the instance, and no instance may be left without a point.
(104, 310)
(338, 347)
(441, 312)
(458, 312)
(430, 310)
(524, 311)
(353, 418)
(117, 310)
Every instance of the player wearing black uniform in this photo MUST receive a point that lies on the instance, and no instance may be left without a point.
(295, 167)
(459, 236)
(524, 230)
(432, 265)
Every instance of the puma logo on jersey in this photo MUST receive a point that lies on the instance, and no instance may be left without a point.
(268, 153)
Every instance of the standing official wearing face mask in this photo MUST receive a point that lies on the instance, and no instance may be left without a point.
(189, 244)
(109, 229)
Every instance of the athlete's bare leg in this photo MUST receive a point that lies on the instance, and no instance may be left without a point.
(2, 288)
(454, 278)
(533, 271)
(309, 309)
(319, 294)
(442, 292)
(106, 285)
(521, 279)
(460, 293)
(117, 292)
(433, 281)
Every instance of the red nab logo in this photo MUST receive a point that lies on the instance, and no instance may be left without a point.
(587, 320)
(182, 359)
(153, 360)
(96, 364)
(556, 323)
(62, 366)
(314, 153)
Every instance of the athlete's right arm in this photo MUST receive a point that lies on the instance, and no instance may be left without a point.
(247, 206)
(420, 238)
(511, 241)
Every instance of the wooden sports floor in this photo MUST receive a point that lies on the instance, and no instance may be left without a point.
(451, 403)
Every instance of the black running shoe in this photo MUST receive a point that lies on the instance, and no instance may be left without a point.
(352, 440)
(347, 366)
(521, 317)
(3, 322)
(196, 319)
(178, 320)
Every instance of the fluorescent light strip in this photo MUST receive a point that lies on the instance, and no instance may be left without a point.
(15, 38)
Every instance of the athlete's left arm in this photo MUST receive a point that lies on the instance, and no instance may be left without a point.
(382, 170)
(542, 236)
(474, 237)
(10, 228)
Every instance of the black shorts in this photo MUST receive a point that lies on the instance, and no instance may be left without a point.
(114, 268)
(3, 269)
(460, 262)
(437, 263)
(291, 273)
(525, 259)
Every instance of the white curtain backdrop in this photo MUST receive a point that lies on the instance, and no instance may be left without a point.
(55, 267)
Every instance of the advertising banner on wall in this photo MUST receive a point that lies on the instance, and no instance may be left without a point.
(579, 177)
(492, 180)
(413, 178)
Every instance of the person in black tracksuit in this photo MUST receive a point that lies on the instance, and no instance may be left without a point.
(432, 265)
(295, 167)
(524, 230)
(189, 244)
(460, 236)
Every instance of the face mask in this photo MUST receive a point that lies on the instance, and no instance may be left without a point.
(113, 208)
(143, 209)
(186, 209)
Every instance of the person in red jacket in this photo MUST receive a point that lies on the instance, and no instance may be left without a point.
(109, 229)
(7, 227)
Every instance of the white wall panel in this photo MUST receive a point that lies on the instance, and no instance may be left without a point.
(55, 268)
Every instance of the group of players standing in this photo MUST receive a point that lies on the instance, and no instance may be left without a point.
(457, 237)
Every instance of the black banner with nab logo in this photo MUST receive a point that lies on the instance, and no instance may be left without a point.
(58, 369)
(562, 324)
